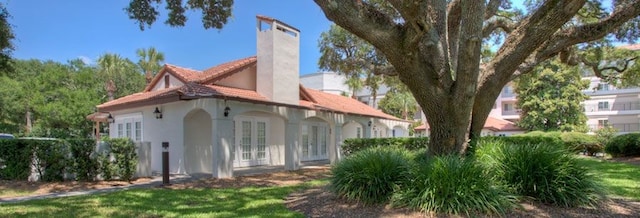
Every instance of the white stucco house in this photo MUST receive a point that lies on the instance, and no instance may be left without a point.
(247, 112)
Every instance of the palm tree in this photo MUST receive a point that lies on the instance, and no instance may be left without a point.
(354, 82)
(149, 61)
(110, 65)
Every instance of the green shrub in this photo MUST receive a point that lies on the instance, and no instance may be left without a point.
(353, 145)
(546, 173)
(453, 185)
(15, 159)
(604, 135)
(526, 139)
(51, 158)
(371, 175)
(85, 164)
(581, 142)
(624, 145)
(126, 159)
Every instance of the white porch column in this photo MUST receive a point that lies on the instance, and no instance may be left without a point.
(292, 146)
(222, 142)
(335, 153)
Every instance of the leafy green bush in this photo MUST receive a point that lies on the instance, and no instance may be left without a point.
(85, 164)
(353, 145)
(581, 142)
(546, 173)
(51, 158)
(15, 159)
(453, 185)
(126, 159)
(371, 175)
(605, 134)
(529, 138)
(624, 145)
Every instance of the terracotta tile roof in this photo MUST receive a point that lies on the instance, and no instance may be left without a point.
(631, 47)
(227, 69)
(141, 96)
(183, 74)
(200, 84)
(500, 125)
(492, 123)
(342, 104)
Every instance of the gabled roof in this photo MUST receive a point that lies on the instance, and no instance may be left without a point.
(201, 84)
(225, 70)
(492, 123)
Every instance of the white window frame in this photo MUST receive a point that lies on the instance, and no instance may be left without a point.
(128, 120)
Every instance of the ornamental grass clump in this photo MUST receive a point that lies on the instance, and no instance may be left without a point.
(546, 173)
(370, 176)
(452, 185)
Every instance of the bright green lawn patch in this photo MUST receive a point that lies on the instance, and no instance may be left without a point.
(619, 179)
(244, 202)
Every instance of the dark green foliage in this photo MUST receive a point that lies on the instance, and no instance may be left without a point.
(125, 157)
(15, 159)
(550, 98)
(85, 165)
(546, 173)
(106, 167)
(371, 175)
(453, 185)
(624, 145)
(581, 142)
(215, 13)
(51, 158)
(527, 139)
(353, 145)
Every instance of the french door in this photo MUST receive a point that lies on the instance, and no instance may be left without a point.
(251, 142)
(314, 141)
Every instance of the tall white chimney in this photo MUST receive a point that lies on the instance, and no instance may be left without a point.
(278, 76)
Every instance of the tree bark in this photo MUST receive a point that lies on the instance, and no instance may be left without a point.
(435, 51)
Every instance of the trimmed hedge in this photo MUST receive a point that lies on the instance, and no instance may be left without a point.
(15, 159)
(85, 164)
(52, 159)
(572, 141)
(624, 145)
(353, 145)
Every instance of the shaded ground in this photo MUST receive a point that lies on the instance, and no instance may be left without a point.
(319, 202)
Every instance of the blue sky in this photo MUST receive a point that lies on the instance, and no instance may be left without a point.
(68, 29)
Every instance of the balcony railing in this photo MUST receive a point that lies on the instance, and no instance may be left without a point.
(623, 106)
(510, 112)
(621, 127)
(508, 94)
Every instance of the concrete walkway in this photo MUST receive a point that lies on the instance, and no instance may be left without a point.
(157, 181)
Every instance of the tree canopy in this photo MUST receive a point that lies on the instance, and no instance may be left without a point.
(435, 48)
(550, 99)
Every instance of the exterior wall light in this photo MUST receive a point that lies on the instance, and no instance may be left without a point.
(226, 111)
(369, 123)
(110, 119)
(158, 113)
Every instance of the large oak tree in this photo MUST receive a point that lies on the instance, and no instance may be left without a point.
(435, 46)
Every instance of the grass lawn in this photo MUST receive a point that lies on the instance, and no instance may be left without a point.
(244, 202)
(618, 179)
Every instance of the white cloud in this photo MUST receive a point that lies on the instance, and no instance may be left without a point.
(86, 60)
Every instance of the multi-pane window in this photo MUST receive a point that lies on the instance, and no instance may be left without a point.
(358, 132)
(246, 140)
(603, 123)
(603, 86)
(262, 140)
(120, 130)
(138, 129)
(603, 105)
(507, 107)
(129, 126)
